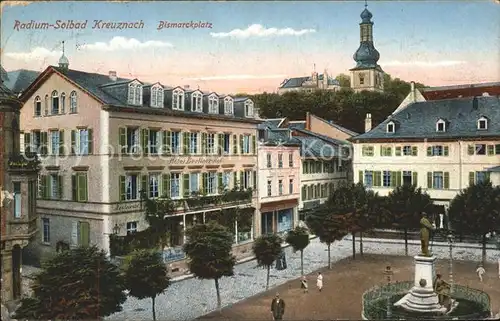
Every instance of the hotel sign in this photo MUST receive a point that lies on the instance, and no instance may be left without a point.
(194, 160)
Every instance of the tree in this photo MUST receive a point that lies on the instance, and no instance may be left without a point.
(267, 248)
(209, 249)
(78, 284)
(406, 203)
(328, 226)
(344, 80)
(298, 238)
(476, 210)
(158, 214)
(146, 276)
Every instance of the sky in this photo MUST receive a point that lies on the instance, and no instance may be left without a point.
(247, 46)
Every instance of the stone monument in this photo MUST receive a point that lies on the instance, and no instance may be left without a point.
(422, 297)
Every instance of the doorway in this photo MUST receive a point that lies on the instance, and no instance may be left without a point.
(16, 272)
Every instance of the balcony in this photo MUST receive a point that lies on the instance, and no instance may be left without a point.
(199, 201)
(22, 229)
(28, 162)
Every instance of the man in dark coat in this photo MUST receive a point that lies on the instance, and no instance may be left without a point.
(278, 307)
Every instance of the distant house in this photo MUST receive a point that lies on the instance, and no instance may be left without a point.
(310, 83)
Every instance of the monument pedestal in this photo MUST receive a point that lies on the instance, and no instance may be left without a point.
(422, 297)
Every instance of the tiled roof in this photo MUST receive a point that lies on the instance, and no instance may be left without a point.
(326, 138)
(457, 91)
(19, 80)
(418, 120)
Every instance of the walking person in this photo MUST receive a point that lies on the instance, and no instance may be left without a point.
(278, 307)
(480, 271)
(303, 284)
(319, 281)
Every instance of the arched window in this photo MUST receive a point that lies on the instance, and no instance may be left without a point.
(63, 103)
(55, 103)
(249, 108)
(73, 102)
(197, 102)
(228, 106)
(178, 100)
(482, 123)
(213, 104)
(157, 96)
(38, 107)
(441, 126)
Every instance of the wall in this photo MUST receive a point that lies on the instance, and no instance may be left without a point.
(322, 127)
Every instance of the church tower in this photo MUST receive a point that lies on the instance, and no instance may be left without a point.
(367, 75)
(63, 61)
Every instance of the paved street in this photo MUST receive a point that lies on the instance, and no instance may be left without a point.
(192, 298)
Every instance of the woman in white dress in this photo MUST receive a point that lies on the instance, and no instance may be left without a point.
(319, 281)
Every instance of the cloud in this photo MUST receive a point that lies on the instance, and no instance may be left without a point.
(443, 63)
(36, 53)
(237, 77)
(122, 43)
(257, 30)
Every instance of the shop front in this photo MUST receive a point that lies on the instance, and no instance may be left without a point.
(278, 217)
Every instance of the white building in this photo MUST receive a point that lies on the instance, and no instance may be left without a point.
(441, 146)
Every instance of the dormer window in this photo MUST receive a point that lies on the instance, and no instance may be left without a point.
(135, 93)
(197, 102)
(391, 127)
(482, 123)
(157, 96)
(178, 99)
(228, 106)
(441, 126)
(213, 104)
(249, 108)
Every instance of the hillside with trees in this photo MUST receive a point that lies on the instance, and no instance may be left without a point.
(344, 107)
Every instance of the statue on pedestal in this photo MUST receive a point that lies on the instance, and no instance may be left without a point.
(425, 229)
(442, 289)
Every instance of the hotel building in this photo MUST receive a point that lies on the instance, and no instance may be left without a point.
(105, 141)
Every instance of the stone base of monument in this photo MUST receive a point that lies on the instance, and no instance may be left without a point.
(422, 297)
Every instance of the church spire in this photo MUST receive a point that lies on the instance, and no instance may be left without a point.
(366, 55)
(63, 61)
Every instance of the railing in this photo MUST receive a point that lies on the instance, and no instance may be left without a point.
(23, 162)
(233, 196)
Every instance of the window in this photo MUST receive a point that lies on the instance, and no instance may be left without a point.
(82, 141)
(194, 183)
(367, 151)
(213, 104)
(280, 160)
(407, 178)
(391, 127)
(72, 102)
(131, 187)
(480, 149)
(385, 151)
(407, 150)
(153, 141)
(228, 106)
(79, 188)
(38, 107)
(269, 159)
(211, 183)
(55, 103)
(178, 99)
(54, 187)
(63, 103)
(175, 185)
(437, 150)
(481, 177)
(226, 142)
(175, 139)
(290, 160)
(247, 180)
(269, 187)
(154, 185)
(361, 79)
(55, 142)
(386, 179)
(290, 186)
(193, 143)
(437, 180)
(496, 149)
(210, 149)
(368, 178)
(249, 108)
(131, 227)
(280, 187)
(46, 230)
(441, 126)
(17, 200)
(197, 102)
(482, 123)
(157, 96)
(226, 180)
(245, 147)
(129, 140)
(135, 94)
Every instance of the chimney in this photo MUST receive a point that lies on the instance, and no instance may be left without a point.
(308, 121)
(412, 90)
(368, 122)
(186, 86)
(112, 75)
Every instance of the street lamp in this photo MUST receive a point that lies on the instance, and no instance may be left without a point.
(388, 273)
(116, 229)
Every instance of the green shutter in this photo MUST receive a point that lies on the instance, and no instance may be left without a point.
(304, 193)
(144, 184)
(446, 180)
(398, 178)
(44, 146)
(360, 179)
(491, 150)
(241, 144)
(414, 151)
(398, 151)
(91, 141)
(74, 188)
(185, 185)
(73, 142)
(121, 188)
(429, 151)
(446, 150)
(145, 141)
(123, 140)
(220, 144)
(235, 180)
(254, 180)
(60, 188)
(235, 144)
(167, 142)
(84, 234)
(429, 179)
(204, 143)
(414, 178)
(242, 179)
(254, 145)
(381, 150)
(185, 136)
(82, 187)
(61, 142)
(43, 187)
(470, 149)
(393, 178)
(204, 182)
(165, 185)
(472, 177)
(27, 142)
(219, 182)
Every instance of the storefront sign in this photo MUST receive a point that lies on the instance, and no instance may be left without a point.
(194, 160)
(127, 207)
